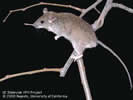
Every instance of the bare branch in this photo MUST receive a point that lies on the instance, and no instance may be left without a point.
(43, 3)
(121, 6)
(30, 72)
(84, 79)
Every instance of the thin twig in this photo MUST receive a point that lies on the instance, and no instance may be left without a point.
(30, 72)
(43, 3)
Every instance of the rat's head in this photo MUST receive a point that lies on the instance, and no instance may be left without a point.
(45, 20)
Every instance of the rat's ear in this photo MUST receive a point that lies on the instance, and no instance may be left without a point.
(51, 19)
(45, 10)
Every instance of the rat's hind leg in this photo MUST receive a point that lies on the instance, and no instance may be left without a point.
(79, 49)
(76, 57)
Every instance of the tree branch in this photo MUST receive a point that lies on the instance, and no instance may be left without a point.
(42, 3)
(30, 72)
(83, 77)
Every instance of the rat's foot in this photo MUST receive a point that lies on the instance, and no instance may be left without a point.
(76, 57)
(56, 37)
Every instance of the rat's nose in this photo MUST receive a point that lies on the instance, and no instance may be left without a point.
(34, 25)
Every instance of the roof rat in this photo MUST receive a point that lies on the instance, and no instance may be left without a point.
(76, 30)
(69, 26)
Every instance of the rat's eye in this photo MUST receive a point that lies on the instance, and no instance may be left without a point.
(42, 22)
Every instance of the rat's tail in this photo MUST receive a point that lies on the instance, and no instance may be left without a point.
(111, 51)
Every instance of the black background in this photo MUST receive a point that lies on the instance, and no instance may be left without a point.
(25, 48)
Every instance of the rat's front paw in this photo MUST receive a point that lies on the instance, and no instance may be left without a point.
(56, 37)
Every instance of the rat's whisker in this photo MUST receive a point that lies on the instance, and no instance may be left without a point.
(28, 24)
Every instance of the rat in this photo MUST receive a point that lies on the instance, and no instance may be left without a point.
(76, 30)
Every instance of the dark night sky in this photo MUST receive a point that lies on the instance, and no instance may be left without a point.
(25, 48)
